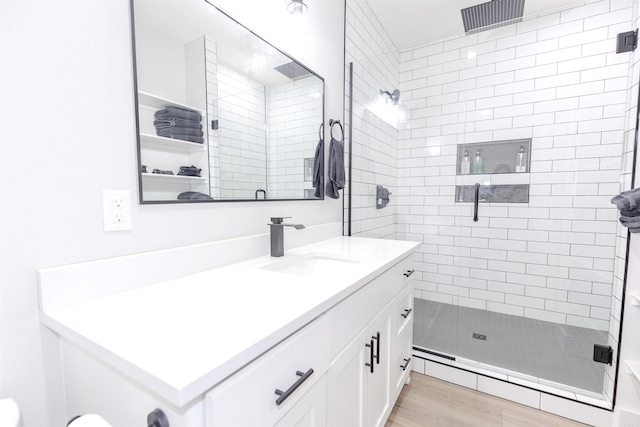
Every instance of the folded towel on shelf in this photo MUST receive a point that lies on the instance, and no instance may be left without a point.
(179, 131)
(179, 113)
(318, 169)
(193, 195)
(189, 171)
(336, 169)
(632, 223)
(175, 122)
(162, 172)
(628, 202)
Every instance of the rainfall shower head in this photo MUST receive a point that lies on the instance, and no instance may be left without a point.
(393, 96)
(492, 14)
(293, 70)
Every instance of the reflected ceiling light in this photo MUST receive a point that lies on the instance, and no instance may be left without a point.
(393, 96)
(297, 7)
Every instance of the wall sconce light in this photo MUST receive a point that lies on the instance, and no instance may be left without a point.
(297, 7)
(393, 96)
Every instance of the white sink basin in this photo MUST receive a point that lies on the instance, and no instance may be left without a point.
(315, 264)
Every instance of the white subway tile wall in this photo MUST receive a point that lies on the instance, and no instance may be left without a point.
(291, 141)
(545, 78)
(555, 79)
(375, 138)
(248, 115)
(241, 134)
(211, 66)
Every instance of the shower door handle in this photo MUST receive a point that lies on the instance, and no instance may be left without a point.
(370, 364)
(475, 202)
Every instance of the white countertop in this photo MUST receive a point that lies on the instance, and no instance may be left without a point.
(181, 337)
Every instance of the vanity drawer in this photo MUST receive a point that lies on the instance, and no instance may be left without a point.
(403, 311)
(401, 360)
(406, 270)
(248, 398)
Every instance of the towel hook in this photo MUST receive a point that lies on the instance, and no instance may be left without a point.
(336, 122)
(321, 130)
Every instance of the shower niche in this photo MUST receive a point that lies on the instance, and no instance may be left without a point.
(500, 167)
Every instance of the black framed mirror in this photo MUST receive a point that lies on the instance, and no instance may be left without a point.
(221, 114)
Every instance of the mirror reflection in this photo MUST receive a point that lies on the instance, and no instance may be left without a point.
(222, 114)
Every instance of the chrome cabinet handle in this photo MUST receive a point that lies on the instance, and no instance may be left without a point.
(408, 273)
(407, 312)
(377, 338)
(406, 365)
(370, 364)
(475, 203)
(285, 394)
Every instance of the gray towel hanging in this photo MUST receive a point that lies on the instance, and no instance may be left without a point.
(318, 166)
(336, 164)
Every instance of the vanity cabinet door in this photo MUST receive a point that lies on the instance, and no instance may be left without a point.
(378, 403)
(359, 395)
(359, 381)
(346, 384)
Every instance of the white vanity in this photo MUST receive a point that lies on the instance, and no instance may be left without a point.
(329, 326)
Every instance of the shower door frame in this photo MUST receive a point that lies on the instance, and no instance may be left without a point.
(348, 232)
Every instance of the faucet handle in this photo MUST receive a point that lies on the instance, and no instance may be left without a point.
(278, 219)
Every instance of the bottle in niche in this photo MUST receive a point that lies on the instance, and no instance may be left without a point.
(477, 165)
(465, 166)
(521, 160)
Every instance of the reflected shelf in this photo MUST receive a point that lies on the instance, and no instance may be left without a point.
(177, 179)
(160, 142)
(159, 102)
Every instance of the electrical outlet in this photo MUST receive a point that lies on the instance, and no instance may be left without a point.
(117, 210)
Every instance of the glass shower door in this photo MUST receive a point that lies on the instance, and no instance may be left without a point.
(535, 229)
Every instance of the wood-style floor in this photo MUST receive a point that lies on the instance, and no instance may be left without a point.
(427, 401)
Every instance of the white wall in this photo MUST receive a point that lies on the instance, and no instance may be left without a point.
(68, 132)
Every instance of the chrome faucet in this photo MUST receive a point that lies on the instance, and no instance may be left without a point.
(264, 193)
(277, 234)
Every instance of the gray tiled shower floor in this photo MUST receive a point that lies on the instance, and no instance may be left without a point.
(554, 352)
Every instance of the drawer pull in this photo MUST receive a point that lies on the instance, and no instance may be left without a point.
(377, 356)
(285, 394)
(408, 273)
(407, 312)
(406, 365)
(370, 364)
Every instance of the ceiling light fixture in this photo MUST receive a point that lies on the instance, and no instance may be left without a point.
(297, 7)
